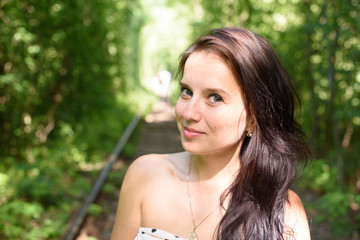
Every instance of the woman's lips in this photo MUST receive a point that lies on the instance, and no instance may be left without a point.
(191, 133)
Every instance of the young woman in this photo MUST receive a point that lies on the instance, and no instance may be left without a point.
(242, 146)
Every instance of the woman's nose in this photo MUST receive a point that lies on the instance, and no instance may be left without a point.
(192, 111)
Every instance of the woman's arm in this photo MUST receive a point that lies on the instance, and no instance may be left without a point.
(128, 215)
(297, 226)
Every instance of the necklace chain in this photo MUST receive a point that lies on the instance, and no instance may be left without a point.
(193, 235)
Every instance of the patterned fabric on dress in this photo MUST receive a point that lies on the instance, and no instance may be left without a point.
(155, 234)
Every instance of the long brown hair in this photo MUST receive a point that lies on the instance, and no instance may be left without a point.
(268, 159)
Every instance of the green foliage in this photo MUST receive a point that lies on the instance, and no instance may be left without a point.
(95, 209)
(66, 71)
(333, 205)
(30, 220)
(319, 177)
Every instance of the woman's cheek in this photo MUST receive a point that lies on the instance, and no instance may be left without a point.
(177, 109)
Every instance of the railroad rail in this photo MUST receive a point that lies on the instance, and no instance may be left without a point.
(75, 227)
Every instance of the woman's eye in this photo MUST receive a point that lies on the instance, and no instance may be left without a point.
(186, 92)
(215, 98)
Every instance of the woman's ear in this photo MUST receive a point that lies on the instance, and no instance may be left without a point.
(250, 124)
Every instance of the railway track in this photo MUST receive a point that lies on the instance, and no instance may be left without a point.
(158, 134)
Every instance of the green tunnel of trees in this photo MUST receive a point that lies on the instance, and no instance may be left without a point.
(72, 75)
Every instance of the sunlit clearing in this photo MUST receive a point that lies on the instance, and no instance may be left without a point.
(164, 38)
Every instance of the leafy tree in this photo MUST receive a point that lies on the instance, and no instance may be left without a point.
(66, 70)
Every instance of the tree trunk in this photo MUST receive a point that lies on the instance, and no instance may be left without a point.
(309, 73)
(332, 45)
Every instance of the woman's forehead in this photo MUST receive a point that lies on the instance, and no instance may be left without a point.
(209, 71)
(207, 64)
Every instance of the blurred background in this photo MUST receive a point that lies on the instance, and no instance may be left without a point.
(74, 73)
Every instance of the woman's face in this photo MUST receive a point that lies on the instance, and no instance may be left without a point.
(210, 112)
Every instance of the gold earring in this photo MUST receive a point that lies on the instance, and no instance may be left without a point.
(249, 134)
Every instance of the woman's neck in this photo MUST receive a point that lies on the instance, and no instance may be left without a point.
(220, 166)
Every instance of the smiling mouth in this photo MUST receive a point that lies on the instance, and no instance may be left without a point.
(191, 133)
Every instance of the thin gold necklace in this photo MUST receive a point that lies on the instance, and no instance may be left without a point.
(193, 235)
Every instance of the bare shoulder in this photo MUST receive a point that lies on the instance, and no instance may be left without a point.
(143, 173)
(296, 222)
(155, 165)
(148, 169)
(146, 164)
(144, 168)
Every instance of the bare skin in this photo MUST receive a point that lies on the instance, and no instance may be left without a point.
(155, 188)
(154, 195)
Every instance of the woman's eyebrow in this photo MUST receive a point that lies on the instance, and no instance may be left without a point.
(182, 84)
(216, 90)
(224, 94)
(208, 90)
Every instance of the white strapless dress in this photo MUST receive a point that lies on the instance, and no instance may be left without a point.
(155, 234)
